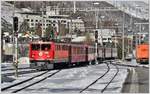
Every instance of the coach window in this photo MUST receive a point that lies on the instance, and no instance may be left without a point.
(62, 47)
(79, 49)
(57, 47)
(74, 50)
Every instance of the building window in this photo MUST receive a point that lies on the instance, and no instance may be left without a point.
(54, 21)
(53, 24)
(31, 20)
(27, 20)
(36, 20)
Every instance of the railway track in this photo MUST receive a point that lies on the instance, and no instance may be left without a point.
(6, 69)
(29, 82)
(111, 79)
(20, 72)
(94, 82)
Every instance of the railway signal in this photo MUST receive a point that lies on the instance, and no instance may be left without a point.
(96, 42)
(15, 23)
(15, 27)
(96, 36)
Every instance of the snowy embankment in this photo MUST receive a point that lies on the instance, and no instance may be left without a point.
(132, 63)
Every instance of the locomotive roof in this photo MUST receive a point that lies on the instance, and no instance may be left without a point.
(46, 42)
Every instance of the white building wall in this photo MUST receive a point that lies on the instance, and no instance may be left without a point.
(105, 35)
(33, 21)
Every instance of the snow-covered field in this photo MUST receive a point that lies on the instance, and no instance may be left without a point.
(73, 80)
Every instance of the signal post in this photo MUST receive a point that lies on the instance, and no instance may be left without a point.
(15, 27)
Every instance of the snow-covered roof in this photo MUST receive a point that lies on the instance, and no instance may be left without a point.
(79, 39)
(26, 10)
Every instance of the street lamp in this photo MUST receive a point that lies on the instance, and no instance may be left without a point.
(136, 35)
(101, 17)
(116, 35)
(123, 36)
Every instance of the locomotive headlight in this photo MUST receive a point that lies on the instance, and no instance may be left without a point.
(32, 55)
(40, 54)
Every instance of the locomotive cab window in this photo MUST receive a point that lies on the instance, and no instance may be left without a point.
(35, 46)
(45, 47)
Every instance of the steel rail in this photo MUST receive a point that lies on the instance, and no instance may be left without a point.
(111, 79)
(36, 82)
(16, 84)
(108, 69)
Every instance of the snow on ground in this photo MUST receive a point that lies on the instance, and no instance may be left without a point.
(23, 63)
(75, 79)
(20, 78)
(7, 66)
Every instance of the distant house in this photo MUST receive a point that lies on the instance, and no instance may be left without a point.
(105, 35)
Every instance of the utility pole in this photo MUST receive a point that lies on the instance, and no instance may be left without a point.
(74, 6)
(13, 36)
(96, 37)
(140, 33)
(15, 41)
(131, 23)
(42, 19)
(71, 28)
(123, 50)
(15, 25)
